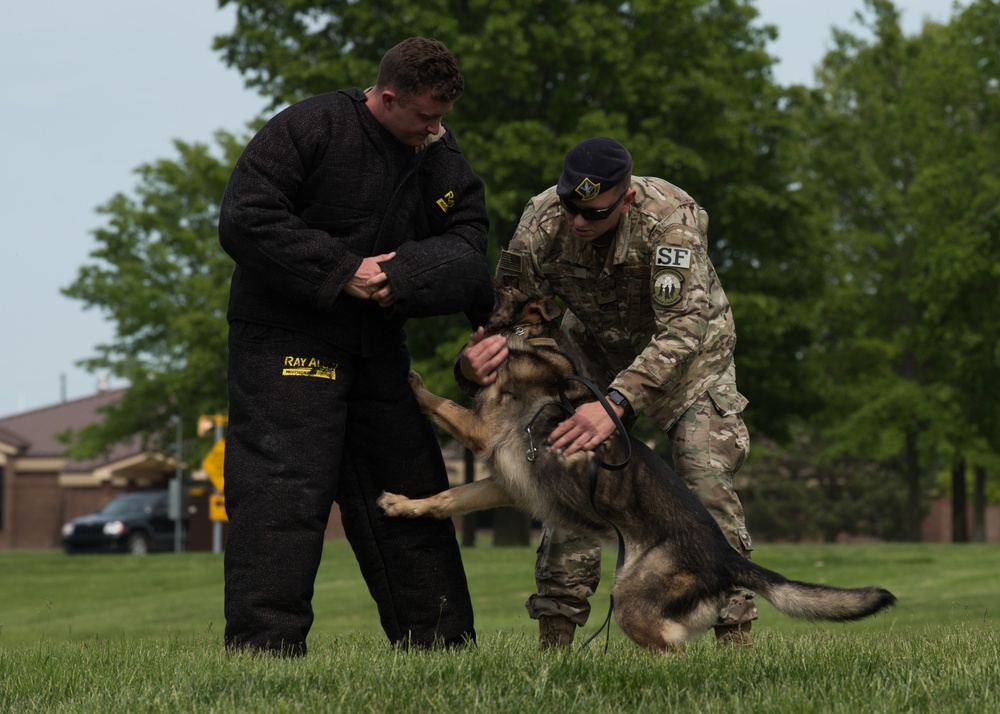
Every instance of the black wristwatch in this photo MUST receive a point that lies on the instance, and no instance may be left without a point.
(616, 397)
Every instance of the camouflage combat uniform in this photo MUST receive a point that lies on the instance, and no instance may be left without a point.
(650, 320)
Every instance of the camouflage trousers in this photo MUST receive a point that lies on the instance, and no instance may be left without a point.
(708, 447)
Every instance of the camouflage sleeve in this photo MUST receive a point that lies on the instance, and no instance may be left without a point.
(525, 255)
(680, 285)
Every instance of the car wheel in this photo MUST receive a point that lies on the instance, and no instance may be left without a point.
(137, 544)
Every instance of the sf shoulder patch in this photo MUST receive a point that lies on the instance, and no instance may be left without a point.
(447, 201)
(667, 288)
(668, 256)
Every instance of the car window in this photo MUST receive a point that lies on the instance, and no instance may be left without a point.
(136, 504)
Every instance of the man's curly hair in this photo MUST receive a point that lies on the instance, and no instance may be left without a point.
(418, 65)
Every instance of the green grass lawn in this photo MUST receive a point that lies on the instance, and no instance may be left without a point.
(115, 633)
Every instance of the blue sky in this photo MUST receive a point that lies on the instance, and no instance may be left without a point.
(93, 89)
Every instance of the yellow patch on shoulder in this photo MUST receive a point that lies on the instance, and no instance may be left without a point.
(447, 201)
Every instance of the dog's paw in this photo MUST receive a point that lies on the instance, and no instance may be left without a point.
(425, 399)
(416, 381)
(397, 506)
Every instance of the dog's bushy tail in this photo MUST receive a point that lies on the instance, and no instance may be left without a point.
(810, 601)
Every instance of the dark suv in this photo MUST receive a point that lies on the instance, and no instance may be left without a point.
(135, 523)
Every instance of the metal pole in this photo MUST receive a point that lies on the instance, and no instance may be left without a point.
(179, 475)
(217, 525)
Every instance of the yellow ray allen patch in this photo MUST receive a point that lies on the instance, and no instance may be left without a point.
(447, 201)
(307, 367)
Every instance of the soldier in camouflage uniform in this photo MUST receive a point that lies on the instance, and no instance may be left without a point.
(649, 323)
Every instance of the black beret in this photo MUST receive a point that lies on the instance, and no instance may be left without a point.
(593, 167)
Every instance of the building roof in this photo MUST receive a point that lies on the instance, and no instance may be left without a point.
(35, 431)
(11, 439)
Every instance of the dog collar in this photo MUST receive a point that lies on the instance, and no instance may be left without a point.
(542, 342)
(533, 341)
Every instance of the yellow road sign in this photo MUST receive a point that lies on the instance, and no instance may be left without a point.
(217, 508)
(208, 422)
(213, 463)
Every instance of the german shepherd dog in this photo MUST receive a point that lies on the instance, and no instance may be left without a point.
(678, 567)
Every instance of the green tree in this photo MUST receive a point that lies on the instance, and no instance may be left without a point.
(956, 196)
(160, 276)
(900, 156)
(791, 492)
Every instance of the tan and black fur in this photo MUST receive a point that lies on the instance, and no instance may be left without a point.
(678, 567)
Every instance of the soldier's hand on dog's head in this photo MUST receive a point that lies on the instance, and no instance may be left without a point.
(482, 356)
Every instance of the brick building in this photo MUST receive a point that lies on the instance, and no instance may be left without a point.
(40, 488)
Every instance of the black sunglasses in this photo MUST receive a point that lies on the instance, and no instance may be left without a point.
(591, 214)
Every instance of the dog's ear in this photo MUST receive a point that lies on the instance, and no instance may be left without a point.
(549, 309)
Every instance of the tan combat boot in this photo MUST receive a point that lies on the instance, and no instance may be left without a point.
(555, 632)
(737, 636)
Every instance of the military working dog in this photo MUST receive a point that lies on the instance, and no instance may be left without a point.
(678, 567)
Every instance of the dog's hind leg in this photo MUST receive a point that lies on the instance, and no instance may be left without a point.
(657, 607)
(647, 628)
(466, 498)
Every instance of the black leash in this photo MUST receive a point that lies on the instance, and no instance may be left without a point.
(595, 465)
